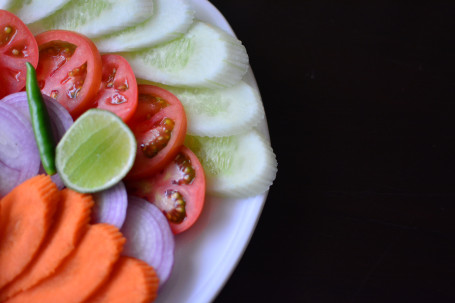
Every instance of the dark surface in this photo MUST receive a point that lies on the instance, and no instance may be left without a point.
(360, 99)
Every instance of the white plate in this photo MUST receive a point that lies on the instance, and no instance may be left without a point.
(207, 254)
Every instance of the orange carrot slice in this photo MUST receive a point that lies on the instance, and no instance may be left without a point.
(27, 213)
(71, 221)
(82, 272)
(132, 281)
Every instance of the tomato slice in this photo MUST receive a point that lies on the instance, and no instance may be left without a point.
(178, 190)
(118, 90)
(159, 125)
(69, 69)
(17, 46)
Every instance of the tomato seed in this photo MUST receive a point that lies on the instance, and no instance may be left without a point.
(174, 210)
(54, 94)
(158, 138)
(117, 99)
(123, 87)
(110, 78)
(74, 91)
(7, 35)
(153, 104)
(187, 172)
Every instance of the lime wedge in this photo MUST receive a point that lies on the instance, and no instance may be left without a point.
(96, 152)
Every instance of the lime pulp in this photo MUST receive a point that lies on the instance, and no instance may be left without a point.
(96, 152)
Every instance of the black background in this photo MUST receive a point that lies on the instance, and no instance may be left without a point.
(360, 102)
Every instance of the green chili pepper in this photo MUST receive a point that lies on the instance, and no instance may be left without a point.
(40, 121)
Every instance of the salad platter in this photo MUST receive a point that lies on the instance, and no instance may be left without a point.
(199, 76)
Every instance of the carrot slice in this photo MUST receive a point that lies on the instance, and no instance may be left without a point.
(132, 281)
(71, 221)
(27, 213)
(82, 272)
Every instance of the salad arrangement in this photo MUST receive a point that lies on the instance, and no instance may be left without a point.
(194, 65)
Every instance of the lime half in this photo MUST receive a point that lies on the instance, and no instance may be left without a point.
(96, 152)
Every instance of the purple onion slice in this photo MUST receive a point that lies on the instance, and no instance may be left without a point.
(110, 205)
(60, 118)
(19, 156)
(149, 236)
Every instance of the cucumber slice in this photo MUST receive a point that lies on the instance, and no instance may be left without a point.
(94, 18)
(237, 166)
(33, 10)
(220, 112)
(6, 4)
(204, 57)
(170, 20)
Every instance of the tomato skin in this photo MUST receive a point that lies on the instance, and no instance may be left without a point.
(17, 46)
(69, 69)
(156, 107)
(154, 188)
(118, 89)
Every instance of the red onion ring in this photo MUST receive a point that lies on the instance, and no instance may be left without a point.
(110, 205)
(19, 156)
(149, 236)
(60, 118)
